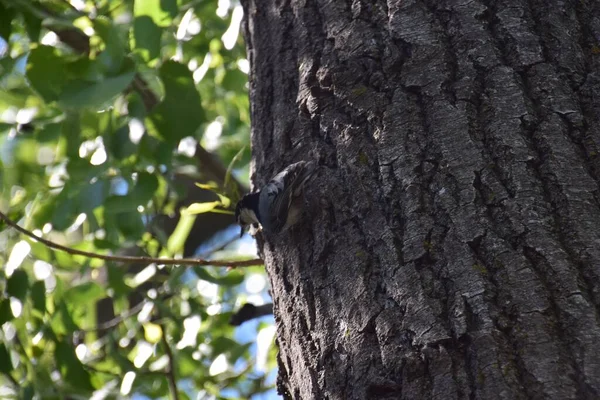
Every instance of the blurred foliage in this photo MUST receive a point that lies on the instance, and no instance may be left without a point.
(101, 106)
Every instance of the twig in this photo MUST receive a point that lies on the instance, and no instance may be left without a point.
(120, 376)
(119, 318)
(131, 259)
(171, 371)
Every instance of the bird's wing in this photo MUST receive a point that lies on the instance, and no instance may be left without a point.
(282, 188)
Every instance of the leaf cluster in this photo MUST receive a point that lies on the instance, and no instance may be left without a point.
(102, 104)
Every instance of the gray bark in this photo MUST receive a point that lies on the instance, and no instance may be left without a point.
(453, 246)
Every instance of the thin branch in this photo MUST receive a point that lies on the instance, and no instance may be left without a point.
(131, 259)
(120, 376)
(118, 319)
(171, 372)
(249, 311)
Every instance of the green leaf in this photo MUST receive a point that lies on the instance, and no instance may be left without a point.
(71, 131)
(152, 332)
(145, 187)
(33, 25)
(186, 365)
(86, 293)
(11, 98)
(79, 94)
(237, 351)
(180, 113)
(181, 232)
(6, 17)
(18, 284)
(156, 150)
(143, 191)
(71, 368)
(6, 364)
(225, 201)
(161, 12)
(222, 345)
(64, 213)
(146, 37)
(212, 186)
(114, 53)
(219, 211)
(200, 208)
(231, 278)
(116, 280)
(119, 144)
(234, 80)
(5, 311)
(46, 72)
(130, 224)
(92, 196)
(119, 204)
(38, 296)
(62, 322)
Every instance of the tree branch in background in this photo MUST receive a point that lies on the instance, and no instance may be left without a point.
(130, 259)
(171, 369)
(250, 311)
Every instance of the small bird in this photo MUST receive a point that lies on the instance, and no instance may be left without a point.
(278, 205)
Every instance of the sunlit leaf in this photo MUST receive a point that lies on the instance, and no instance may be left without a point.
(152, 332)
(225, 201)
(219, 211)
(161, 12)
(181, 232)
(199, 208)
(212, 186)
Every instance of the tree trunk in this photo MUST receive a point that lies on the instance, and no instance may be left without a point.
(452, 248)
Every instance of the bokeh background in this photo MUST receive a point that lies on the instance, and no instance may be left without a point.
(124, 130)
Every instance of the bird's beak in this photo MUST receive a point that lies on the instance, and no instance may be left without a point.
(242, 231)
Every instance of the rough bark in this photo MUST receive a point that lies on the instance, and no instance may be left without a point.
(454, 248)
